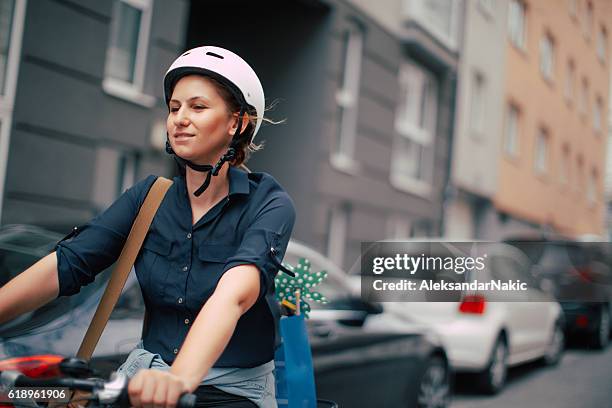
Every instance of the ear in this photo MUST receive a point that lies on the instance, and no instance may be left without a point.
(245, 122)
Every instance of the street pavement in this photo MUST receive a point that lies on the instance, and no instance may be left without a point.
(582, 379)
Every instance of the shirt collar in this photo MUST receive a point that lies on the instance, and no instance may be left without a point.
(238, 181)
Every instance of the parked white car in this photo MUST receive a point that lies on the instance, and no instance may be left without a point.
(485, 336)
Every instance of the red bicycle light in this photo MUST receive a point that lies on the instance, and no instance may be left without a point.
(43, 366)
(582, 321)
(473, 304)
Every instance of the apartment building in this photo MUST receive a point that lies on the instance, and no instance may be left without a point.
(81, 103)
(608, 178)
(478, 121)
(368, 103)
(552, 163)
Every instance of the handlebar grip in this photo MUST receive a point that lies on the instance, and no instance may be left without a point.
(186, 401)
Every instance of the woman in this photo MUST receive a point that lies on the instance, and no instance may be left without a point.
(208, 262)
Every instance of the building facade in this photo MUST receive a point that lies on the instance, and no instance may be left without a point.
(551, 166)
(392, 82)
(368, 107)
(86, 103)
(478, 120)
(534, 82)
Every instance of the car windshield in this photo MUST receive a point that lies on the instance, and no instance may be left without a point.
(550, 253)
(13, 262)
(21, 247)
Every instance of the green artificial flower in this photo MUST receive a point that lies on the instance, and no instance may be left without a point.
(304, 280)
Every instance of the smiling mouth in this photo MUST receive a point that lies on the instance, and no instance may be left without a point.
(182, 136)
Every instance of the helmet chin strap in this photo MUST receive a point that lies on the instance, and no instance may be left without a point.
(229, 155)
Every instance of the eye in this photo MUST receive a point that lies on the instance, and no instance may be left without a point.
(199, 107)
(174, 109)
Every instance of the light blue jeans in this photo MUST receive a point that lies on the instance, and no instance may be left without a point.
(256, 383)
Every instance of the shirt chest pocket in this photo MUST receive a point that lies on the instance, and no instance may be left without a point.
(212, 258)
(153, 267)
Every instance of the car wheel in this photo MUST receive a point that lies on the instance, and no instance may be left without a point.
(434, 389)
(493, 378)
(601, 336)
(555, 348)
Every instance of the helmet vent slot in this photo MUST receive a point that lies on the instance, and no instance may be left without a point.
(212, 54)
(187, 53)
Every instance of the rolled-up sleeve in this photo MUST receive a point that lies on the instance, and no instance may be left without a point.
(98, 243)
(271, 228)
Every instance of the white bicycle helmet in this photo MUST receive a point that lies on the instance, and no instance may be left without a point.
(224, 66)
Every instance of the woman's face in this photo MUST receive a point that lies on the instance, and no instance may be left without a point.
(200, 126)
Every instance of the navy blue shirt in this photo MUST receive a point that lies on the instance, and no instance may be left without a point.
(180, 264)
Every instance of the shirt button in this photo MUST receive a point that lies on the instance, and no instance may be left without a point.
(189, 236)
(175, 351)
(185, 268)
(180, 300)
(186, 321)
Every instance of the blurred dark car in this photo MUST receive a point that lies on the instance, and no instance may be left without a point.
(59, 326)
(353, 366)
(359, 360)
(579, 275)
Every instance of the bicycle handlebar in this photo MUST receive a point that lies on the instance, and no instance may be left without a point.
(113, 392)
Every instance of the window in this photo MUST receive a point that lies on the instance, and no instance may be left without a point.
(6, 20)
(126, 172)
(547, 51)
(579, 173)
(336, 233)
(541, 152)
(347, 98)
(440, 17)
(512, 130)
(516, 23)
(602, 44)
(587, 24)
(584, 97)
(115, 171)
(413, 162)
(127, 52)
(418, 104)
(565, 162)
(570, 79)
(415, 122)
(477, 104)
(592, 187)
(597, 114)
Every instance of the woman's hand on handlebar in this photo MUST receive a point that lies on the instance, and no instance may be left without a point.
(156, 389)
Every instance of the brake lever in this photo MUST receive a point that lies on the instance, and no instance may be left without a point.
(115, 391)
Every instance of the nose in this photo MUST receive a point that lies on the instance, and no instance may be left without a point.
(181, 119)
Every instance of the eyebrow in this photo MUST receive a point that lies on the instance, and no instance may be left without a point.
(192, 98)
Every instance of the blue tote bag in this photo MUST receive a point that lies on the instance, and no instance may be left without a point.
(295, 387)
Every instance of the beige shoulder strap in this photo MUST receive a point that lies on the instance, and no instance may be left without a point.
(123, 266)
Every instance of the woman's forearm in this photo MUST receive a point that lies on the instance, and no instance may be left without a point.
(31, 289)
